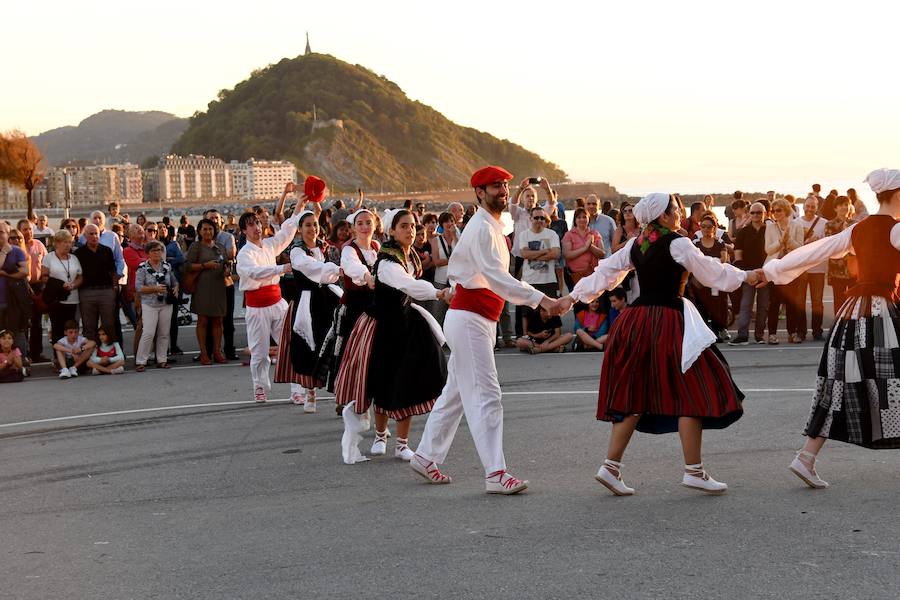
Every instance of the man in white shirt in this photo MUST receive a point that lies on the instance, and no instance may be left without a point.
(539, 247)
(259, 275)
(602, 224)
(814, 278)
(479, 274)
(42, 231)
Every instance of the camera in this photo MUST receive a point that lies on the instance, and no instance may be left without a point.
(535, 180)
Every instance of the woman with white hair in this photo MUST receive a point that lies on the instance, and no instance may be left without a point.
(858, 383)
(64, 269)
(662, 372)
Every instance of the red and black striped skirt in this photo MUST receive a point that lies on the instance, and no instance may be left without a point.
(641, 375)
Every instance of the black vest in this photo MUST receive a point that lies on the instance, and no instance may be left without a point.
(388, 304)
(660, 277)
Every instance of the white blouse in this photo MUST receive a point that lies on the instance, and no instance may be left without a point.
(65, 270)
(610, 272)
(353, 268)
(392, 274)
(315, 266)
(785, 270)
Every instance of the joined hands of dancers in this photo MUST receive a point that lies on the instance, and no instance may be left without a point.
(560, 306)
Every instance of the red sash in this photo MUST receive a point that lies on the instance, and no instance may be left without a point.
(263, 297)
(481, 301)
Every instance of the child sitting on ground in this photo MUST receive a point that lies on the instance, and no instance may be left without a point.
(542, 333)
(10, 359)
(72, 351)
(108, 357)
(589, 325)
(618, 300)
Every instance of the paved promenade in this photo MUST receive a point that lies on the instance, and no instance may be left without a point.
(177, 487)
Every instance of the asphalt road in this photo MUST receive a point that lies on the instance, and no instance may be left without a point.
(234, 500)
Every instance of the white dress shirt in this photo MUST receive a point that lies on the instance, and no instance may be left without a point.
(481, 261)
(256, 264)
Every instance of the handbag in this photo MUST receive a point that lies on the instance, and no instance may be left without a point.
(189, 279)
(52, 294)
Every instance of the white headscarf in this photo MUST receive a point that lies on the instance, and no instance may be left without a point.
(882, 180)
(303, 214)
(352, 218)
(651, 207)
(388, 217)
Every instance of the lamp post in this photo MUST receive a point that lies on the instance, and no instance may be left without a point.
(67, 193)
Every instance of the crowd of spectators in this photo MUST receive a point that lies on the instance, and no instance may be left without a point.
(91, 274)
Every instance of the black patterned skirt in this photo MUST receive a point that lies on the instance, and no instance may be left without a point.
(400, 367)
(857, 397)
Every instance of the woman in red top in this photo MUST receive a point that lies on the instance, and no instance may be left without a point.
(582, 247)
(857, 389)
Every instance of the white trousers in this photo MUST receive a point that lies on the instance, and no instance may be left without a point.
(156, 321)
(262, 324)
(472, 388)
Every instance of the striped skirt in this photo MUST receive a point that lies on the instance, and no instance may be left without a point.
(284, 369)
(857, 397)
(641, 375)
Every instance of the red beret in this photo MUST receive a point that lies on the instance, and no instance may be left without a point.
(314, 188)
(488, 175)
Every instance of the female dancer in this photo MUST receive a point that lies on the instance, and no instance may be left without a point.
(394, 358)
(857, 398)
(661, 372)
(357, 261)
(309, 316)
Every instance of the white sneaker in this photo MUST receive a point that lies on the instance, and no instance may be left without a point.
(696, 477)
(502, 482)
(310, 405)
(95, 372)
(73, 371)
(610, 476)
(402, 451)
(807, 474)
(64, 373)
(118, 370)
(379, 446)
(428, 470)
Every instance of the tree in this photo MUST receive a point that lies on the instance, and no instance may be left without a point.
(21, 163)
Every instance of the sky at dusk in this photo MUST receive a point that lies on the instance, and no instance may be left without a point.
(689, 97)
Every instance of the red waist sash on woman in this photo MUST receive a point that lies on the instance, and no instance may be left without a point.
(481, 301)
(265, 296)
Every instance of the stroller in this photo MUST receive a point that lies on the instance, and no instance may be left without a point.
(183, 315)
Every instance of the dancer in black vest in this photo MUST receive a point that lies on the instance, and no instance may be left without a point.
(661, 372)
(357, 263)
(395, 358)
(309, 317)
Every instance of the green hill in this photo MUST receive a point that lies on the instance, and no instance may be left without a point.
(383, 138)
(112, 136)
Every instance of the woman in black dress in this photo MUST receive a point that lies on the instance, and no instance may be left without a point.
(392, 332)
